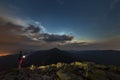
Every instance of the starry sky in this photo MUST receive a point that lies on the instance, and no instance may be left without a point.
(65, 24)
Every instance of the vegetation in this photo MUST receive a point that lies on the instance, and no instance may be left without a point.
(63, 71)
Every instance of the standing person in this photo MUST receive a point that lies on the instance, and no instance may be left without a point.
(20, 58)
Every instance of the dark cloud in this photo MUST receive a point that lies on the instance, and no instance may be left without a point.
(57, 38)
(37, 34)
(32, 29)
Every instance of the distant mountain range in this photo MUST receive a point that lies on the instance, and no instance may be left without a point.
(45, 57)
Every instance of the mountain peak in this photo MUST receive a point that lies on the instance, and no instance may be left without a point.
(55, 49)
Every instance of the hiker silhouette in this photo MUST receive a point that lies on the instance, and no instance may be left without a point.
(20, 58)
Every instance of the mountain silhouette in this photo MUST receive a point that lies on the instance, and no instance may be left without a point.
(55, 49)
(52, 56)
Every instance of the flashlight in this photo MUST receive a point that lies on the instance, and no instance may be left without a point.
(24, 56)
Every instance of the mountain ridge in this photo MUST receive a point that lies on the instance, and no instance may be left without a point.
(51, 56)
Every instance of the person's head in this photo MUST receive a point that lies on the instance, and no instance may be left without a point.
(20, 52)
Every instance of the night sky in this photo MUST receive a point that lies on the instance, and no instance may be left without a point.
(65, 24)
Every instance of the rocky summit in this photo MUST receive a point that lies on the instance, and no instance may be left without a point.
(63, 71)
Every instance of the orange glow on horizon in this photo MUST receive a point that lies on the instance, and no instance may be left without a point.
(4, 53)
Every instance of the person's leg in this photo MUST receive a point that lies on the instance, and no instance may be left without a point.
(20, 63)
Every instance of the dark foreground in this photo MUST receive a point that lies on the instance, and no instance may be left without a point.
(62, 71)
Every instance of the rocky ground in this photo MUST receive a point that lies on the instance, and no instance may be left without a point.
(63, 71)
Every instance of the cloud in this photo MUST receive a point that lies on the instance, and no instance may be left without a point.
(15, 36)
(36, 33)
(57, 38)
(109, 44)
(32, 29)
